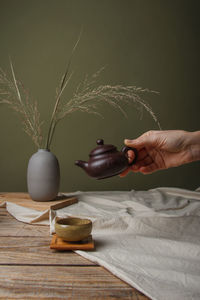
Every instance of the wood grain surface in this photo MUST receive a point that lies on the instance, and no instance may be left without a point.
(29, 269)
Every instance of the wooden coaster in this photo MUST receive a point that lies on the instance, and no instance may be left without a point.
(58, 244)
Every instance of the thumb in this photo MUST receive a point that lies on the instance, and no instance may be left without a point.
(136, 143)
(142, 141)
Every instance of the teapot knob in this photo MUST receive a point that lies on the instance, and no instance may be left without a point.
(100, 142)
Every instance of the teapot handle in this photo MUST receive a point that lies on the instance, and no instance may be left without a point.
(126, 149)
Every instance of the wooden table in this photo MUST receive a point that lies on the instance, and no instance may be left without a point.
(29, 269)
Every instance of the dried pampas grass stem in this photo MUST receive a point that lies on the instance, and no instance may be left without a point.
(17, 98)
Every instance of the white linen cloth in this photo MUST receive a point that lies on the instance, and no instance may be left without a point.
(150, 239)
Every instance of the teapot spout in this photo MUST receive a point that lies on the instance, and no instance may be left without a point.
(82, 164)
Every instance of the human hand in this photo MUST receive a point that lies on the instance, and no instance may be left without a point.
(159, 150)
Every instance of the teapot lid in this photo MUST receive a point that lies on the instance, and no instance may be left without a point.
(101, 148)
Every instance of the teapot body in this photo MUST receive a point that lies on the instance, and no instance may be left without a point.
(107, 165)
(106, 161)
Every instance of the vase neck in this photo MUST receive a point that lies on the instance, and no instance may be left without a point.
(43, 150)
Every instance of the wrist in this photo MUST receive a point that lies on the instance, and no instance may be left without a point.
(194, 144)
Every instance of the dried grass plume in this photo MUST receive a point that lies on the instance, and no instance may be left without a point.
(86, 98)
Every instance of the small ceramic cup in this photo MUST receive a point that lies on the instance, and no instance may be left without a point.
(73, 229)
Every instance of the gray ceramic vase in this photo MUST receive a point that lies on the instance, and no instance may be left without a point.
(43, 176)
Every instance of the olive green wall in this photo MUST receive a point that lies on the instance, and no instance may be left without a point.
(152, 44)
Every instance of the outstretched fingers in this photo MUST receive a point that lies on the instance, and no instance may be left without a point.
(147, 160)
(149, 169)
(142, 160)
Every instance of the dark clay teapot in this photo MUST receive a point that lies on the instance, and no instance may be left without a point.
(106, 161)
